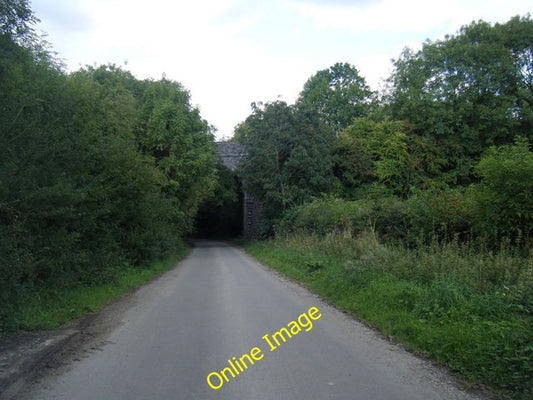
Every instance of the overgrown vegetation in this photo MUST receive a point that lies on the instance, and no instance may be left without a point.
(46, 309)
(411, 208)
(425, 229)
(463, 307)
(220, 216)
(99, 171)
(453, 113)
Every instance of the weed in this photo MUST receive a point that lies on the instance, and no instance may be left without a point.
(50, 309)
(463, 305)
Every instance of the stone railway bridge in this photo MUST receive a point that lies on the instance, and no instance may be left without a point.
(230, 154)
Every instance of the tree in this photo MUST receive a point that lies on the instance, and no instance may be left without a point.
(76, 198)
(502, 202)
(98, 170)
(339, 95)
(518, 33)
(182, 145)
(468, 91)
(288, 156)
(385, 153)
(15, 19)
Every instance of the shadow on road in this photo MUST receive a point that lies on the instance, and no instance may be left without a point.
(203, 243)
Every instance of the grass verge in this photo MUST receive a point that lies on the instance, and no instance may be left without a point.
(433, 300)
(50, 310)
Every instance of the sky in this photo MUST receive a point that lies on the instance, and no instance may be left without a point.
(230, 53)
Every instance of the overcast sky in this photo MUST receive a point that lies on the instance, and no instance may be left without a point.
(230, 53)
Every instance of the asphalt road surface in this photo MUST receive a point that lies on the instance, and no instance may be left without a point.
(219, 303)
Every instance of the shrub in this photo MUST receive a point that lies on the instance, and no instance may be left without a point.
(502, 204)
(325, 215)
(437, 214)
(385, 216)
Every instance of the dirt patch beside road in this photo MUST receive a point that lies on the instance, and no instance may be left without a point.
(25, 358)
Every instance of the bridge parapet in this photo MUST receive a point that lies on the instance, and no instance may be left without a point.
(230, 153)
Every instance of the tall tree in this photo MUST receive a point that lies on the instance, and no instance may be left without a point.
(182, 145)
(288, 156)
(339, 94)
(16, 18)
(468, 91)
(97, 169)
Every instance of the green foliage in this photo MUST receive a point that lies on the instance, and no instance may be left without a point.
(288, 158)
(502, 203)
(322, 216)
(524, 288)
(97, 171)
(15, 18)
(49, 310)
(221, 214)
(498, 207)
(382, 143)
(445, 106)
(370, 154)
(339, 95)
(390, 217)
(468, 91)
(436, 215)
(438, 300)
(434, 199)
(440, 214)
(182, 146)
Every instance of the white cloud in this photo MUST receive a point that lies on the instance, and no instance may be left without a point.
(412, 15)
(229, 53)
(389, 15)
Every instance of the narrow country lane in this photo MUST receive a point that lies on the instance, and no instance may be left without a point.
(218, 304)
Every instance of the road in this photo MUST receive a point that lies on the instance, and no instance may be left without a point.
(219, 303)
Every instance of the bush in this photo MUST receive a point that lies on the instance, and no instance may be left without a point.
(502, 204)
(325, 215)
(437, 214)
(322, 216)
(82, 190)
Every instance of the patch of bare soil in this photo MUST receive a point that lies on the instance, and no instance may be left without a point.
(26, 358)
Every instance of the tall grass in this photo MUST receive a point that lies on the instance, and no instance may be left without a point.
(49, 309)
(462, 305)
